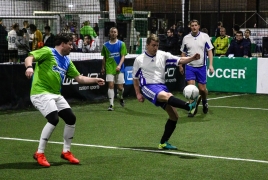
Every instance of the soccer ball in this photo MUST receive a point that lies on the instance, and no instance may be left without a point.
(190, 92)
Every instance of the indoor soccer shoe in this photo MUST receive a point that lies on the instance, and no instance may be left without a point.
(111, 108)
(166, 145)
(69, 156)
(194, 106)
(41, 159)
(122, 102)
(205, 108)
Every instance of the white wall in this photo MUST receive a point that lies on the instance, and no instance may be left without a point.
(262, 76)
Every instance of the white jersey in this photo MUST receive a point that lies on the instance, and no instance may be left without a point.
(151, 69)
(197, 44)
(12, 36)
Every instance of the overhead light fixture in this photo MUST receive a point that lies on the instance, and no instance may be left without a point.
(70, 5)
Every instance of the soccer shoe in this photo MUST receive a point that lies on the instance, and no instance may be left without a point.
(69, 156)
(41, 159)
(122, 102)
(194, 106)
(166, 145)
(205, 108)
(111, 108)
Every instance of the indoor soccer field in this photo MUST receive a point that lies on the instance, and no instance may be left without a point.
(228, 143)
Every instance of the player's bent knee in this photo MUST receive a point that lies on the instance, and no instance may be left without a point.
(68, 116)
(53, 118)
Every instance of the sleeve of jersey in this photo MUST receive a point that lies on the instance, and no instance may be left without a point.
(209, 45)
(72, 71)
(41, 54)
(172, 60)
(123, 49)
(136, 70)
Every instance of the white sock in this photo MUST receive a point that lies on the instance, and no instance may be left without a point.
(111, 96)
(120, 92)
(45, 135)
(68, 135)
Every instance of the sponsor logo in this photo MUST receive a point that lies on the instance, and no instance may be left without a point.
(67, 81)
(170, 73)
(59, 70)
(228, 73)
(128, 75)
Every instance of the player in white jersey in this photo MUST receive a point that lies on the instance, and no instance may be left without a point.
(149, 83)
(196, 71)
(12, 47)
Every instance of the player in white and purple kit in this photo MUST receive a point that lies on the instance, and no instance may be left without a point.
(149, 83)
(196, 71)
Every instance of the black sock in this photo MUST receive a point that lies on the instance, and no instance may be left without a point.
(169, 129)
(204, 102)
(175, 102)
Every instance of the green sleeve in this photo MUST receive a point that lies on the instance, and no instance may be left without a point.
(72, 71)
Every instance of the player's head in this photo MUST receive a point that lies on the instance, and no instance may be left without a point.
(113, 33)
(63, 43)
(195, 26)
(152, 44)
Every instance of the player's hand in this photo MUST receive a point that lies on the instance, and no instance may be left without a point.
(100, 81)
(118, 68)
(140, 97)
(211, 69)
(196, 56)
(29, 73)
(181, 70)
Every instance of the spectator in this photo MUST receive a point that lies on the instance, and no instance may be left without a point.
(247, 38)
(221, 43)
(89, 45)
(49, 38)
(235, 29)
(239, 47)
(77, 43)
(12, 47)
(22, 43)
(96, 28)
(172, 43)
(204, 30)
(88, 30)
(3, 43)
(26, 26)
(37, 41)
(217, 31)
(179, 28)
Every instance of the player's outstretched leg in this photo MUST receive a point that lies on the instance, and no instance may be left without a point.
(194, 106)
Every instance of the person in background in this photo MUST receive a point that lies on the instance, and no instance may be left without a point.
(3, 43)
(239, 47)
(96, 28)
(89, 45)
(217, 31)
(236, 28)
(172, 43)
(52, 65)
(22, 43)
(49, 38)
(12, 47)
(88, 30)
(247, 34)
(114, 52)
(37, 41)
(77, 43)
(196, 71)
(221, 43)
(149, 82)
(204, 30)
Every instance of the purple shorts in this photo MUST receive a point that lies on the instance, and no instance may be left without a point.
(199, 74)
(151, 92)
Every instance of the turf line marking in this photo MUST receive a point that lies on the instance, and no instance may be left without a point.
(144, 150)
(231, 107)
(227, 96)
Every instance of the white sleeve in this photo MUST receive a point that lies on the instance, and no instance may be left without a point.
(80, 44)
(93, 46)
(135, 69)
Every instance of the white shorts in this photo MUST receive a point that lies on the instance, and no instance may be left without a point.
(47, 103)
(117, 79)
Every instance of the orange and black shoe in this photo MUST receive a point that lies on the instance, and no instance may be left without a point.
(69, 156)
(41, 159)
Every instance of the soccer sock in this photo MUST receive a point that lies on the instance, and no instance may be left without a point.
(111, 96)
(68, 136)
(175, 102)
(120, 93)
(169, 129)
(204, 101)
(45, 135)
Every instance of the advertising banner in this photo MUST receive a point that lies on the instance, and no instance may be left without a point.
(233, 75)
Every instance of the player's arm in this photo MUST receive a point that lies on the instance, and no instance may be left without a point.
(210, 56)
(103, 65)
(137, 90)
(185, 60)
(183, 54)
(87, 80)
(118, 67)
(29, 66)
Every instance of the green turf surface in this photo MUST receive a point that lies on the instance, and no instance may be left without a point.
(230, 142)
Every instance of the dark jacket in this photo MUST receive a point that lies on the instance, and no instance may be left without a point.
(239, 48)
(172, 45)
(3, 38)
(50, 42)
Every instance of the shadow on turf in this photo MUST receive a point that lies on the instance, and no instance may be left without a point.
(29, 165)
(161, 151)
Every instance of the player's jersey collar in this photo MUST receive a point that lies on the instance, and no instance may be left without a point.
(150, 55)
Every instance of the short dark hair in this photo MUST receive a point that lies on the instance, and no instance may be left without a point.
(32, 27)
(239, 32)
(236, 27)
(63, 38)
(47, 28)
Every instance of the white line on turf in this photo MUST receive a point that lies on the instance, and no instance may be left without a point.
(231, 107)
(226, 96)
(145, 150)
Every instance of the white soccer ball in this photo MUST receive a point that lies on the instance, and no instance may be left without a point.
(190, 92)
